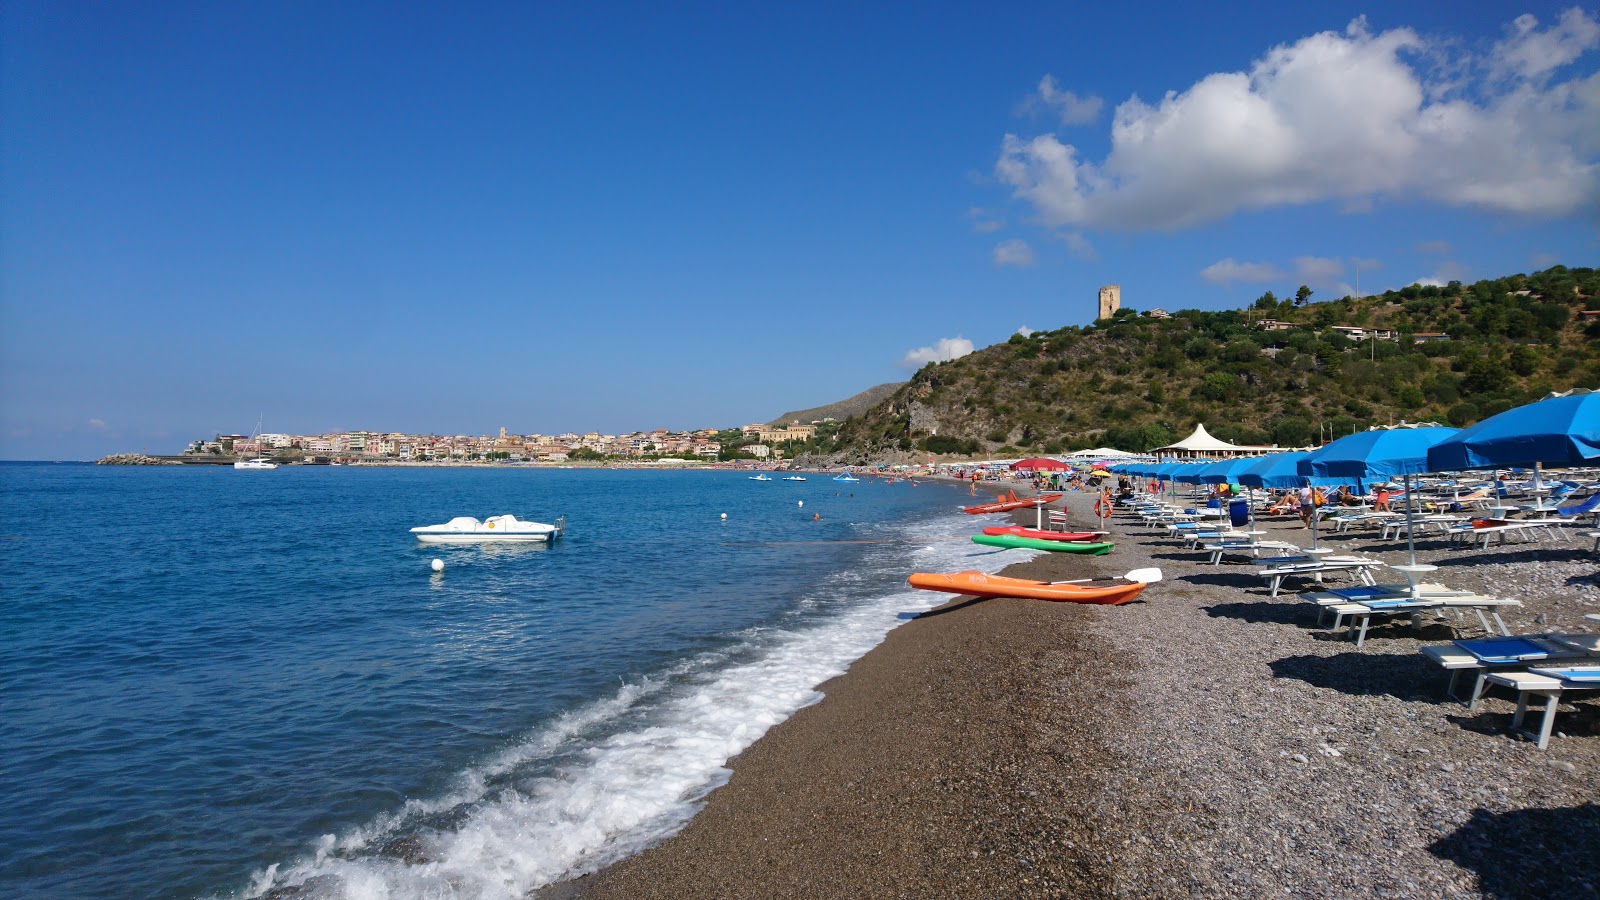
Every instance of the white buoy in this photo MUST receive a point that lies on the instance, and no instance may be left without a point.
(437, 565)
(724, 516)
(802, 503)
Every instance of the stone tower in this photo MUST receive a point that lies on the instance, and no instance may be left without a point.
(1110, 301)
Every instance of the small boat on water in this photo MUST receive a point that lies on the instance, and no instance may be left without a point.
(260, 462)
(507, 528)
(845, 476)
(762, 477)
(979, 584)
(794, 478)
(1013, 542)
(1036, 534)
(1011, 501)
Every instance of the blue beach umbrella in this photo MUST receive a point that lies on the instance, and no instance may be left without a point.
(1555, 431)
(1275, 471)
(1379, 455)
(1189, 473)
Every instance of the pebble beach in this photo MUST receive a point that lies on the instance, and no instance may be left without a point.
(1206, 740)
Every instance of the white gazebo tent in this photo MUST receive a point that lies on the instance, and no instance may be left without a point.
(1202, 443)
(1102, 453)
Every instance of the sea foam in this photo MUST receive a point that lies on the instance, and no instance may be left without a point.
(612, 778)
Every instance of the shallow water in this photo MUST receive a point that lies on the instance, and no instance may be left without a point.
(219, 682)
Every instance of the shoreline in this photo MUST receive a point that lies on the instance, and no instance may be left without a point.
(1207, 741)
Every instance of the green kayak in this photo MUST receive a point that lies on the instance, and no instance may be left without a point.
(1013, 542)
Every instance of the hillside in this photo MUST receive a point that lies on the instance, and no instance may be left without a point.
(844, 409)
(1136, 383)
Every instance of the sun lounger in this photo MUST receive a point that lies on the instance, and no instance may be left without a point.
(1437, 522)
(1279, 569)
(1361, 593)
(1487, 655)
(1243, 547)
(1550, 683)
(1361, 613)
(1346, 521)
(1472, 533)
(1592, 534)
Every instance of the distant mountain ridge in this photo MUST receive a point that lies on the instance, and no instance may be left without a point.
(844, 409)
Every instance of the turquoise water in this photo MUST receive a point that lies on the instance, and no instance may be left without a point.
(221, 683)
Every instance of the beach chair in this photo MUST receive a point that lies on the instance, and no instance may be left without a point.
(1485, 656)
(1479, 532)
(1550, 683)
(1361, 593)
(1361, 613)
(1278, 569)
(1243, 546)
(1574, 510)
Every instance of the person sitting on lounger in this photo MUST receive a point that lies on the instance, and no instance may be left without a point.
(1286, 504)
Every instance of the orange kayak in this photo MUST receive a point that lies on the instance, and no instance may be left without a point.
(979, 584)
(1012, 503)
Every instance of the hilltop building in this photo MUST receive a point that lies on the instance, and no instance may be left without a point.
(1110, 301)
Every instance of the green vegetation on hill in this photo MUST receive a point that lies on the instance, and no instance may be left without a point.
(1135, 383)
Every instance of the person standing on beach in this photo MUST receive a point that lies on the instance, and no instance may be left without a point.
(1307, 509)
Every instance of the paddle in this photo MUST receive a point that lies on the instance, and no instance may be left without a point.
(1143, 576)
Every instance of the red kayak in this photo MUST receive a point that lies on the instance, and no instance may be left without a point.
(1019, 531)
(1007, 505)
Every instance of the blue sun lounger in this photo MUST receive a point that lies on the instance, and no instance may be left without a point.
(1485, 656)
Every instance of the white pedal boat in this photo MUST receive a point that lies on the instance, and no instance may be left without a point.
(467, 530)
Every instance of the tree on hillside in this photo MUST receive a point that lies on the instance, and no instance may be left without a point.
(1302, 296)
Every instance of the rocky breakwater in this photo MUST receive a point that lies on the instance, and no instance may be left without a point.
(134, 459)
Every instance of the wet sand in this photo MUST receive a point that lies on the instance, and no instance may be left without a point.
(1206, 741)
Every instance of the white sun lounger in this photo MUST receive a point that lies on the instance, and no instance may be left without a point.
(1361, 613)
(1277, 570)
(1467, 535)
(1549, 683)
(1243, 547)
(1333, 597)
(1487, 655)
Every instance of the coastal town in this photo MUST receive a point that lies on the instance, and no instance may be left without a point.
(759, 441)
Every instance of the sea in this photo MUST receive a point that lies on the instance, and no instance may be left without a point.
(220, 683)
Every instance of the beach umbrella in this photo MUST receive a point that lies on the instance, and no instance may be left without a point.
(1040, 464)
(1275, 471)
(1379, 454)
(1188, 473)
(1556, 431)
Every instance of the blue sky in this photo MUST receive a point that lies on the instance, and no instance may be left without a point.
(557, 217)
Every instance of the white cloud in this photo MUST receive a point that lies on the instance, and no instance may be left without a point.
(984, 221)
(1014, 252)
(1447, 272)
(1226, 271)
(1072, 109)
(1079, 246)
(98, 425)
(1436, 248)
(1347, 117)
(945, 350)
(1531, 54)
(1317, 269)
(1025, 331)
